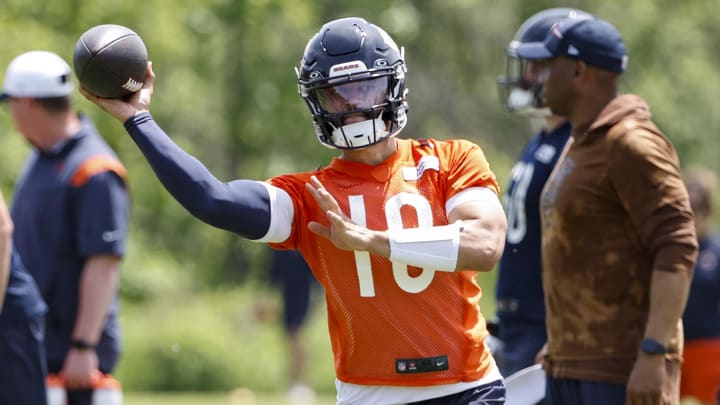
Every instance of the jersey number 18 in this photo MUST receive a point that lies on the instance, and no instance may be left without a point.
(393, 217)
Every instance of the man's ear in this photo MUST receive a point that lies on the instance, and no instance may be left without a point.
(580, 68)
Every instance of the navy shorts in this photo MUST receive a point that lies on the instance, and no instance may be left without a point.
(562, 391)
(23, 370)
(487, 394)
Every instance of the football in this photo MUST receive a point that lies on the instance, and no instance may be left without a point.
(110, 61)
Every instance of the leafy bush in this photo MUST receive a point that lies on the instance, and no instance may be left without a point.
(149, 275)
(215, 341)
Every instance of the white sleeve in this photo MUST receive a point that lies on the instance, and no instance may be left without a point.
(470, 195)
(282, 213)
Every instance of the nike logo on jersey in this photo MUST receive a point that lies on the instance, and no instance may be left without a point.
(425, 163)
(421, 365)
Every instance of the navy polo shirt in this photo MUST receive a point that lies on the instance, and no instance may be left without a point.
(71, 203)
(22, 299)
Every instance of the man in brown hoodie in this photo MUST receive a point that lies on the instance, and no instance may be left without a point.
(618, 238)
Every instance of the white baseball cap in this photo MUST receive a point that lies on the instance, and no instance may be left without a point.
(37, 74)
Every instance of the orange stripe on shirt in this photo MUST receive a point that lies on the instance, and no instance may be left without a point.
(97, 164)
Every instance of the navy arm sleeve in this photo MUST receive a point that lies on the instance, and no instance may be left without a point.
(240, 206)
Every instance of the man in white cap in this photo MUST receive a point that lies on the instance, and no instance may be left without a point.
(70, 211)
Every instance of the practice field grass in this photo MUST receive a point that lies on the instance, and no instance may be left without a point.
(239, 397)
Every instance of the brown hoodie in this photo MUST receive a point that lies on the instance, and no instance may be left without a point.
(614, 210)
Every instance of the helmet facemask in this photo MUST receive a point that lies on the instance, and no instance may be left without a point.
(520, 90)
(355, 110)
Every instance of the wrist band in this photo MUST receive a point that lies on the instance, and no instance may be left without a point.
(434, 247)
(82, 344)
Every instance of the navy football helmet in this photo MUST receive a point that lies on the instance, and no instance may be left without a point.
(352, 77)
(519, 89)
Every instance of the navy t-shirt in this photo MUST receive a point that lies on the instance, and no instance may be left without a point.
(22, 299)
(66, 209)
(519, 290)
(702, 313)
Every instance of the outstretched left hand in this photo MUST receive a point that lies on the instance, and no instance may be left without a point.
(342, 231)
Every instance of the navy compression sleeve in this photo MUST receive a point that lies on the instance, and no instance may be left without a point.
(240, 206)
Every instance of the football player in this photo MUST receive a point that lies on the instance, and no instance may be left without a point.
(394, 229)
(519, 293)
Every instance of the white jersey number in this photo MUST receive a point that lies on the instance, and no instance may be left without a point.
(393, 217)
(521, 174)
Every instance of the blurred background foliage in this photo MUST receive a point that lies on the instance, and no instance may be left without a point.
(227, 93)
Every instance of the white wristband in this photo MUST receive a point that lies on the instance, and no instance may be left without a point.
(433, 247)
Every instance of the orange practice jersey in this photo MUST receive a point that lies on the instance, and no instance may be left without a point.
(393, 324)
